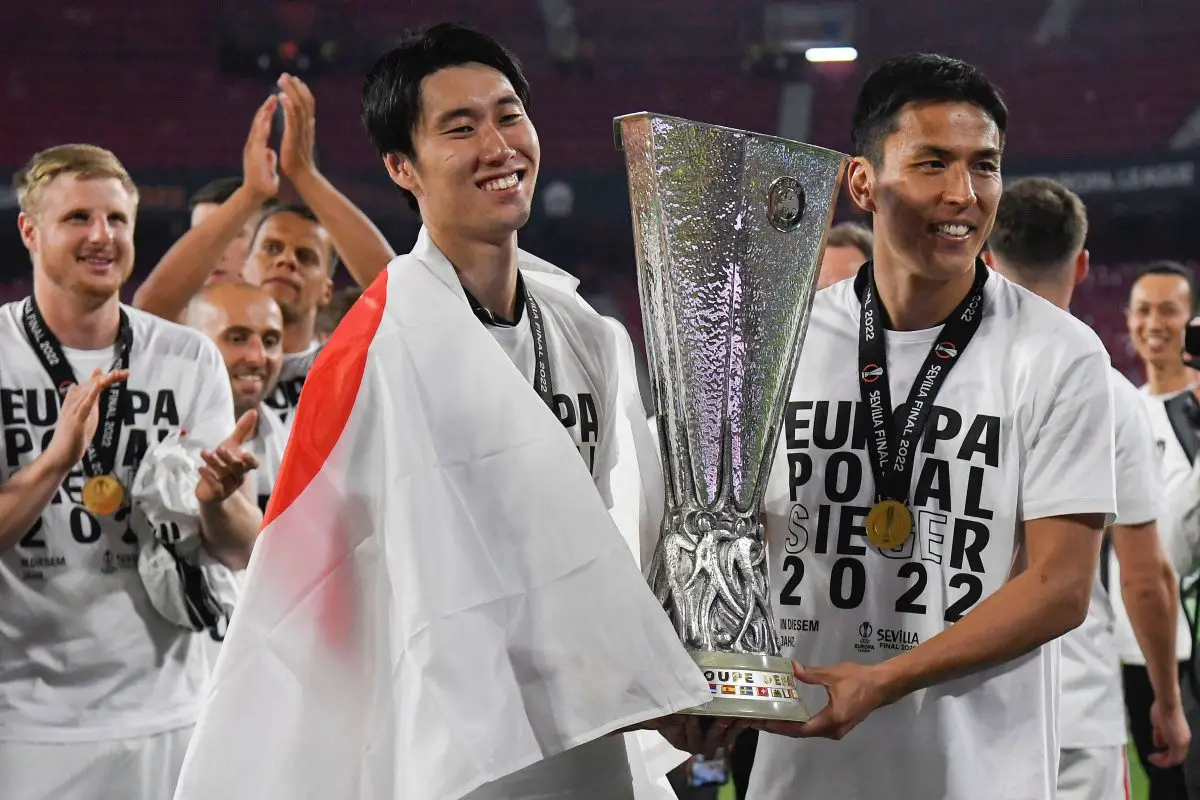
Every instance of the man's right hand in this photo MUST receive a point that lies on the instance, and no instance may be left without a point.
(1171, 735)
(260, 164)
(78, 418)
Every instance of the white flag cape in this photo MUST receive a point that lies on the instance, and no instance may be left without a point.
(439, 597)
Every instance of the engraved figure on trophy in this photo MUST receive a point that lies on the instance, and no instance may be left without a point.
(729, 228)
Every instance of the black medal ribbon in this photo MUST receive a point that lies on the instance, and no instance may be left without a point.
(892, 443)
(543, 379)
(100, 458)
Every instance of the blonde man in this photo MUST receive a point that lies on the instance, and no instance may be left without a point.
(98, 690)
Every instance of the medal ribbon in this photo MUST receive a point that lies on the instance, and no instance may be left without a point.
(892, 443)
(100, 458)
(543, 380)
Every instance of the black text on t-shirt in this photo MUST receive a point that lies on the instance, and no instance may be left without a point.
(829, 505)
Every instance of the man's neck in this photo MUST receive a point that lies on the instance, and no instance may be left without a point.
(1167, 378)
(299, 334)
(1057, 293)
(915, 303)
(81, 322)
(487, 270)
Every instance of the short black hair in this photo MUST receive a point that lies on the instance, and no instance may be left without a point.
(1040, 225)
(217, 191)
(916, 78)
(1168, 268)
(391, 92)
(300, 210)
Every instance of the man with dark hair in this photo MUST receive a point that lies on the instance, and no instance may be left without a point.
(211, 195)
(292, 249)
(391, 98)
(1161, 302)
(847, 247)
(925, 552)
(446, 577)
(1038, 243)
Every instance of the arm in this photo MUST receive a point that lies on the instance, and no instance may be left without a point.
(1150, 593)
(27, 493)
(184, 268)
(1042, 603)
(229, 517)
(1046, 600)
(229, 529)
(359, 243)
(1064, 428)
(30, 490)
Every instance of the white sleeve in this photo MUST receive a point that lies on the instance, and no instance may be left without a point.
(210, 418)
(1137, 465)
(1179, 525)
(1065, 429)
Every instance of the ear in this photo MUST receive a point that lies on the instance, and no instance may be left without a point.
(326, 294)
(986, 255)
(28, 230)
(861, 182)
(1082, 266)
(402, 172)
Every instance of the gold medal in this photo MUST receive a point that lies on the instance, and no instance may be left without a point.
(102, 495)
(889, 524)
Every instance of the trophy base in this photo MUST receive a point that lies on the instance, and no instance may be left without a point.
(749, 686)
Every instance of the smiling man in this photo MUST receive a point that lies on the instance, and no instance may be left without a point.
(99, 690)
(447, 595)
(246, 324)
(930, 548)
(1160, 305)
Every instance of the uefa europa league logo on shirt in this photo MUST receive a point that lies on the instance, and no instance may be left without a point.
(729, 228)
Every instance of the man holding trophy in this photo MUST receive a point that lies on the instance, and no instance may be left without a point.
(930, 526)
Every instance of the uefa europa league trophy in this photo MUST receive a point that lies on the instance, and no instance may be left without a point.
(729, 228)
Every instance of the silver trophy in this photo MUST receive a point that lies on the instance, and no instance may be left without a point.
(729, 228)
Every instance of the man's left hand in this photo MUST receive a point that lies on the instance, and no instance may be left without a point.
(299, 128)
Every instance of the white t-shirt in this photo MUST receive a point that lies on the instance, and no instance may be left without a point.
(1012, 437)
(598, 770)
(284, 398)
(578, 395)
(1093, 714)
(83, 654)
(1173, 474)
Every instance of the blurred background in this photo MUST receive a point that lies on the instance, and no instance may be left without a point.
(1104, 95)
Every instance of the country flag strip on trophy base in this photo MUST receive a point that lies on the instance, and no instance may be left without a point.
(751, 684)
